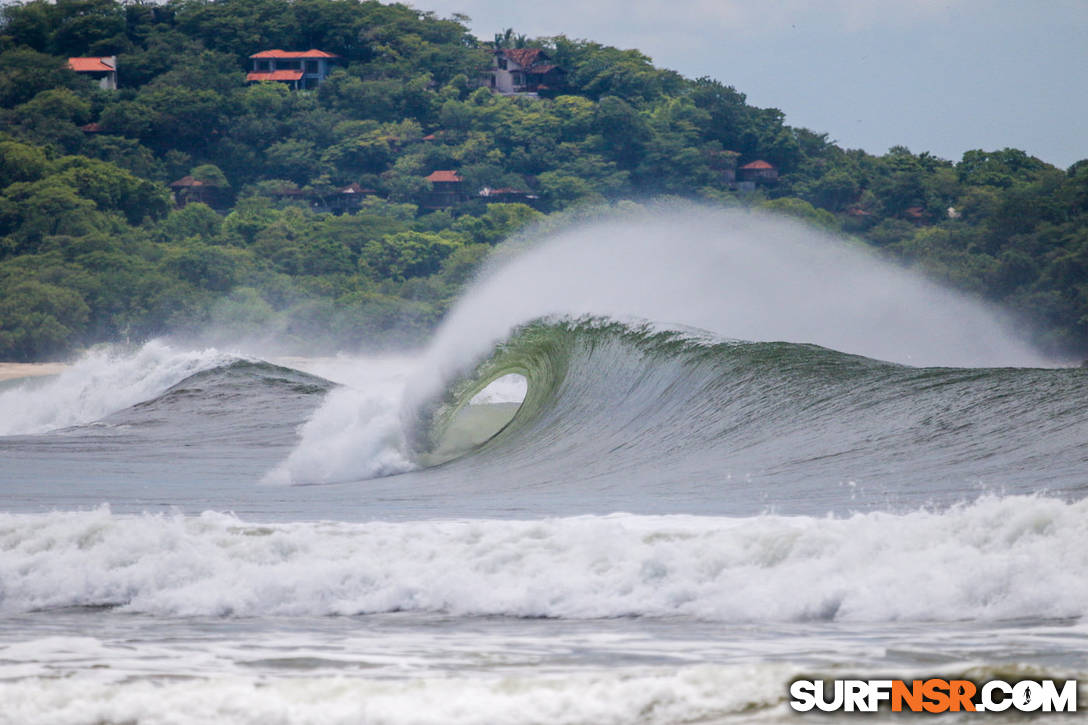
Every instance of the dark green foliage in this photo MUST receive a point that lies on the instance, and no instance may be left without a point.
(24, 72)
(38, 320)
(94, 244)
(407, 254)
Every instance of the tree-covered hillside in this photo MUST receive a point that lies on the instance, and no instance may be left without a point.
(310, 212)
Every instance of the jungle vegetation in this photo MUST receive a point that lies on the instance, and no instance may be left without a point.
(95, 245)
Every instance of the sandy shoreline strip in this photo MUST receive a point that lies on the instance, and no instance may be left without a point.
(9, 370)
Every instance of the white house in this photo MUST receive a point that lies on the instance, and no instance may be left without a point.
(523, 70)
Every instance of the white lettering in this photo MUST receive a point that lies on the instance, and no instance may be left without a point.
(803, 693)
(1064, 701)
(1027, 696)
(988, 701)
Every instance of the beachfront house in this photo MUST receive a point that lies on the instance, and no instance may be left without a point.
(299, 69)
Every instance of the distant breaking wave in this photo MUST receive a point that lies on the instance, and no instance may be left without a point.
(101, 382)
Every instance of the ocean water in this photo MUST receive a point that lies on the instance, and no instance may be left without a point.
(648, 471)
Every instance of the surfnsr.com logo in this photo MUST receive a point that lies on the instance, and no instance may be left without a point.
(934, 696)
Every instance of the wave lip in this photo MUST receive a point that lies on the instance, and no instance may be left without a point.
(995, 559)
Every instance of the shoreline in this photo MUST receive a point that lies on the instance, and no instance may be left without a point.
(12, 370)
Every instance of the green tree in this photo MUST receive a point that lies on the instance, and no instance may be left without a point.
(25, 73)
(39, 320)
(406, 254)
(20, 162)
(192, 220)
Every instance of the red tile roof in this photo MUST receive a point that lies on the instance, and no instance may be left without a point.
(758, 165)
(91, 128)
(91, 65)
(293, 54)
(524, 57)
(444, 177)
(276, 75)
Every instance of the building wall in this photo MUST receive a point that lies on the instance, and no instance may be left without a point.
(510, 79)
(502, 81)
(314, 70)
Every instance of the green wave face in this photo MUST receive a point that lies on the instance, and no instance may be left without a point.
(539, 352)
(567, 363)
(631, 410)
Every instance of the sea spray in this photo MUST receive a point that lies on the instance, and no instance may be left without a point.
(739, 275)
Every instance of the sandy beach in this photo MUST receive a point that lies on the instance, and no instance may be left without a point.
(10, 371)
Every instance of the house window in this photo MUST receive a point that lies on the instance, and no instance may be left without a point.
(502, 63)
(519, 79)
(311, 66)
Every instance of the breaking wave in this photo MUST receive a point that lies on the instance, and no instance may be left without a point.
(101, 382)
(994, 559)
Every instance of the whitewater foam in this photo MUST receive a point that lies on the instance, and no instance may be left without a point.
(358, 431)
(997, 558)
(620, 697)
(101, 382)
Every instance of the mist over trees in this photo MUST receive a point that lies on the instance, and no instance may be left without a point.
(188, 198)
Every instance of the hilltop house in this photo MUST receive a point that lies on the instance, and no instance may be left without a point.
(343, 200)
(188, 190)
(299, 69)
(757, 172)
(104, 70)
(447, 189)
(348, 199)
(523, 70)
